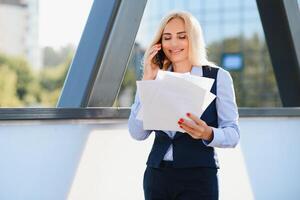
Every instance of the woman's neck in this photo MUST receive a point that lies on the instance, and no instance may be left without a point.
(182, 67)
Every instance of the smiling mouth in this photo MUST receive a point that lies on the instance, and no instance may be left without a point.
(176, 51)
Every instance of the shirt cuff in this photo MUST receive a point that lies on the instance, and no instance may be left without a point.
(218, 138)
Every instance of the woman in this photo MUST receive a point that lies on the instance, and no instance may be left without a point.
(183, 165)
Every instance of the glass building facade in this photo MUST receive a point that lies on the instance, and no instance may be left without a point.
(219, 19)
(228, 27)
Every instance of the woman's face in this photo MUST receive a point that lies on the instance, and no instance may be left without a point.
(175, 43)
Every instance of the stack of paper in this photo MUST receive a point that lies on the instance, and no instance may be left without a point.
(168, 98)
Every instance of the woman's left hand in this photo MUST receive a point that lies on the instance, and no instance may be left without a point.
(196, 127)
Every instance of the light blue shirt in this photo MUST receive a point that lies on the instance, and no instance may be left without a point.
(225, 136)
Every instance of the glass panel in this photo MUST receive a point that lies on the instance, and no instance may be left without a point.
(38, 39)
(211, 5)
(228, 26)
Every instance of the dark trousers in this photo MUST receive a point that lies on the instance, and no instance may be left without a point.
(167, 183)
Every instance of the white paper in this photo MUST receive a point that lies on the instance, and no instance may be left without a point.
(161, 74)
(168, 98)
(147, 91)
(203, 82)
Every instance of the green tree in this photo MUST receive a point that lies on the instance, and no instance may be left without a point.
(255, 85)
(51, 81)
(22, 87)
(23, 76)
(8, 87)
(53, 57)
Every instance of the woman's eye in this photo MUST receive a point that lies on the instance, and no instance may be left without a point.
(167, 38)
(182, 37)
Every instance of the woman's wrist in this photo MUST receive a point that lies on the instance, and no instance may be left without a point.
(209, 135)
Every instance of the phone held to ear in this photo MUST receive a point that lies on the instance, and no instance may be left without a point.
(159, 58)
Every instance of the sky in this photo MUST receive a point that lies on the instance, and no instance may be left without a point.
(61, 22)
(59, 26)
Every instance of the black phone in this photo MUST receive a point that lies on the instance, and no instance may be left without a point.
(159, 58)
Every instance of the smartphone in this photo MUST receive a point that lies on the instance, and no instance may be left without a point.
(159, 58)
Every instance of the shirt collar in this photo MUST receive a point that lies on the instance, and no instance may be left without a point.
(196, 70)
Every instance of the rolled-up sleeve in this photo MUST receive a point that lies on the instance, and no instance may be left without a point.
(228, 132)
(135, 126)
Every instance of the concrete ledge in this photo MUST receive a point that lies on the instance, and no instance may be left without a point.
(119, 113)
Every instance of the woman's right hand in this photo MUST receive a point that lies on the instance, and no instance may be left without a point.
(151, 69)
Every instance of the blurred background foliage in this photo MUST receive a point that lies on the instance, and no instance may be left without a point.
(20, 86)
(255, 85)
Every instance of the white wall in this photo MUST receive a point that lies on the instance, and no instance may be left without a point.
(19, 32)
(97, 159)
(13, 29)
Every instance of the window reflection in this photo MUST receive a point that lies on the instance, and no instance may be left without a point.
(38, 39)
(229, 27)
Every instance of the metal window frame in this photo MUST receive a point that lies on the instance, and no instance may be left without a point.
(280, 20)
(10, 114)
(90, 73)
(106, 44)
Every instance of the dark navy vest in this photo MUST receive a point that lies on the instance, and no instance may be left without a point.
(187, 151)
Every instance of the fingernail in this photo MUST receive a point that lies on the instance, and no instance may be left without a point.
(180, 126)
(181, 120)
(188, 114)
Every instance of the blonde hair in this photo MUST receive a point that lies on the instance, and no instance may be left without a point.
(197, 49)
